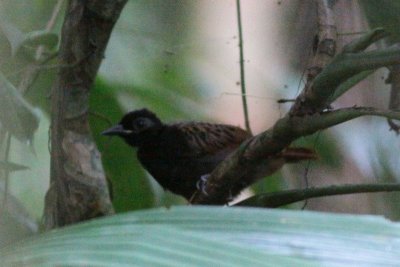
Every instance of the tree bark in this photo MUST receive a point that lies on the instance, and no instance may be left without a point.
(78, 189)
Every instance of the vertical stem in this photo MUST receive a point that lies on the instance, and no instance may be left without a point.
(242, 75)
(6, 170)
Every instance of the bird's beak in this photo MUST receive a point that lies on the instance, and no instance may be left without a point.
(116, 130)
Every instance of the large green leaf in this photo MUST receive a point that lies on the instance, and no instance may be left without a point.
(215, 236)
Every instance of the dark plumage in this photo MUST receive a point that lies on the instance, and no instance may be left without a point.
(178, 155)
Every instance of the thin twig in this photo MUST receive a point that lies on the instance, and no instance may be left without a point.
(277, 199)
(3, 135)
(6, 170)
(32, 72)
(242, 75)
(284, 100)
(253, 96)
(49, 26)
(307, 169)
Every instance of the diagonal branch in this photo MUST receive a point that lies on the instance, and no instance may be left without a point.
(256, 158)
(277, 199)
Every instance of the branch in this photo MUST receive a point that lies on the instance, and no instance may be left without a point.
(78, 189)
(260, 156)
(349, 63)
(324, 50)
(277, 199)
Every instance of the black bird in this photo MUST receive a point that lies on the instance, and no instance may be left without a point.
(180, 155)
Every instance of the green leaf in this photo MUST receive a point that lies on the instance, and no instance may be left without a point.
(12, 166)
(27, 42)
(349, 83)
(214, 236)
(17, 116)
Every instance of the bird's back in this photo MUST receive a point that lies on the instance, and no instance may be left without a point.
(183, 152)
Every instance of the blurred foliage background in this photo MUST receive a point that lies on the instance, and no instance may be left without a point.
(180, 59)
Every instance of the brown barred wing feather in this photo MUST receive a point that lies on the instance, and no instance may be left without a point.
(208, 138)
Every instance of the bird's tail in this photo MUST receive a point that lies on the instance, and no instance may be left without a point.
(296, 154)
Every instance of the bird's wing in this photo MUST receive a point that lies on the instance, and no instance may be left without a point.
(209, 138)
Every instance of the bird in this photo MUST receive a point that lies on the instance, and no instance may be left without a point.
(180, 156)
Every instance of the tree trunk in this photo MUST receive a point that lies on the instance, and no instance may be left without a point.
(78, 189)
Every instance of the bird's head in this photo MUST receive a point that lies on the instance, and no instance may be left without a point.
(136, 127)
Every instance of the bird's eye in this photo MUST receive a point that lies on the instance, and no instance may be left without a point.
(140, 123)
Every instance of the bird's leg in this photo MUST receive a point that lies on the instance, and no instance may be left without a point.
(201, 184)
